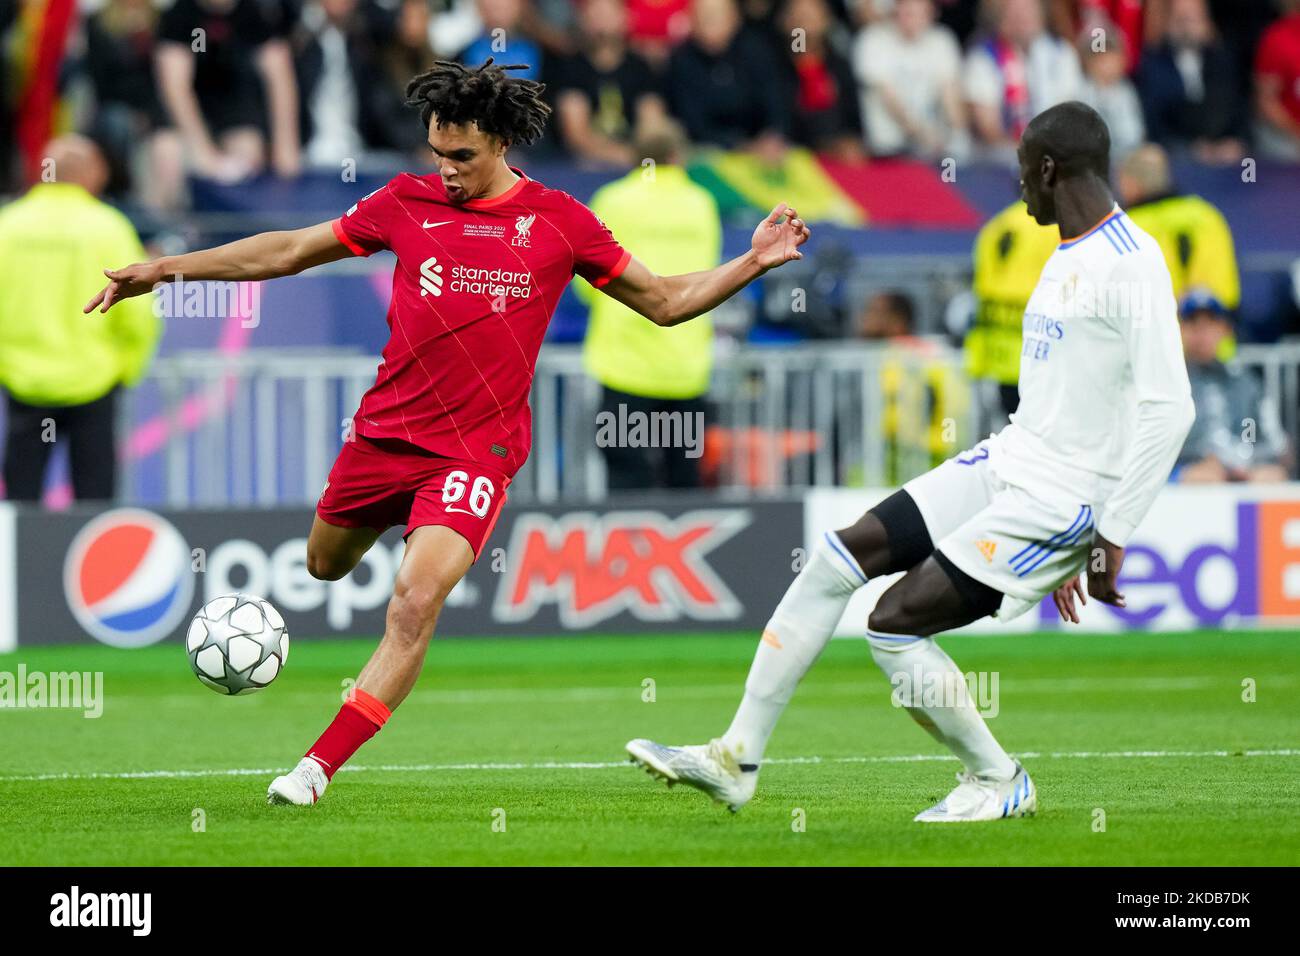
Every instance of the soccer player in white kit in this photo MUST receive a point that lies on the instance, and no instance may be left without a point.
(1104, 407)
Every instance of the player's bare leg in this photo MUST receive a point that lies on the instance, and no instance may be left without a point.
(926, 683)
(436, 558)
(333, 551)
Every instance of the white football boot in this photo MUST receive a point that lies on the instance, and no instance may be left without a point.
(708, 767)
(301, 786)
(978, 798)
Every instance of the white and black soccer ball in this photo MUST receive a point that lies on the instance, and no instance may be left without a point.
(237, 644)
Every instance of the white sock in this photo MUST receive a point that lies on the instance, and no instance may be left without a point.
(793, 639)
(929, 686)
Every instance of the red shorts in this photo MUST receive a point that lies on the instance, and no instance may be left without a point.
(379, 483)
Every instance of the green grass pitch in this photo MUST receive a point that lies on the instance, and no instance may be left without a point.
(1150, 731)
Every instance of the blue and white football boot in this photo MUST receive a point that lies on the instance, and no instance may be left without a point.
(979, 798)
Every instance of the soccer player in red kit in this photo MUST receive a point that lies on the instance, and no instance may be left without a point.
(483, 255)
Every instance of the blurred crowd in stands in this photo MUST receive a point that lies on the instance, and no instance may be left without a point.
(1238, 434)
(226, 89)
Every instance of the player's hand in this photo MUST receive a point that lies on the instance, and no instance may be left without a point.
(124, 283)
(1064, 597)
(776, 243)
(1103, 572)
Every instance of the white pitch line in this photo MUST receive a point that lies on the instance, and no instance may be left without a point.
(605, 765)
(862, 690)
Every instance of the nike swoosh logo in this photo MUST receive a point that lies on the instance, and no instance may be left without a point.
(430, 225)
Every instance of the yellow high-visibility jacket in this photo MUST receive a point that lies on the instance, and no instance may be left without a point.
(55, 242)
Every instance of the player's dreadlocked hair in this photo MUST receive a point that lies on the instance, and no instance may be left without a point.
(505, 106)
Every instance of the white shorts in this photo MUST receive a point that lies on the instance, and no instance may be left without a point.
(1022, 544)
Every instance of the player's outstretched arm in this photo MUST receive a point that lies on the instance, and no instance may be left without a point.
(669, 300)
(268, 255)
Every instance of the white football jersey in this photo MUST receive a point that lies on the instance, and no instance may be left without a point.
(1105, 401)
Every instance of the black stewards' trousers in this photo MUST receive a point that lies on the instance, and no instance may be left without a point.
(87, 430)
(642, 468)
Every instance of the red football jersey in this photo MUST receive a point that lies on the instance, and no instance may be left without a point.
(475, 286)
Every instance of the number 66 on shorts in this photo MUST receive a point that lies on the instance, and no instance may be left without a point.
(382, 483)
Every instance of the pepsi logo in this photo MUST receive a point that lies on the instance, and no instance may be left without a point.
(127, 578)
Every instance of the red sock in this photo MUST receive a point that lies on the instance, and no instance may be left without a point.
(358, 720)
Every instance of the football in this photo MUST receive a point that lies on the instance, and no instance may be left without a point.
(237, 644)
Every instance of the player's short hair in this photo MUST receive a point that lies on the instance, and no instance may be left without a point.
(506, 106)
(1075, 136)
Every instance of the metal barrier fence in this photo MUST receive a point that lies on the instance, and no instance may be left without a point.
(263, 428)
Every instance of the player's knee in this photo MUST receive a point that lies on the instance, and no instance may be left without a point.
(898, 612)
(415, 607)
(327, 567)
(883, 617)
